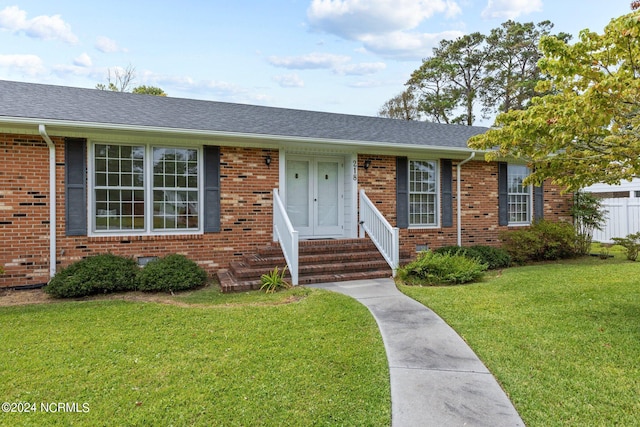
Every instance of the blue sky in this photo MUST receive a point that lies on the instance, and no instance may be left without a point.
(343, 56)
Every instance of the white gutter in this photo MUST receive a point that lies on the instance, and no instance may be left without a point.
(459, 196)
(52, 199)
(98, 127)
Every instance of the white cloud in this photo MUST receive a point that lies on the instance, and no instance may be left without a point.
(361, 69)
(510, 9)
(14, 19)
(107, 45)
(26, 64)
(339, 64)
(312, 61)
(383, 26)
(289, 80)
(353, 18)
(84, 60)
(403, 45)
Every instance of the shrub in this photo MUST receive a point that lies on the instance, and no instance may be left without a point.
(274, 281)
(93, 275)
(431, 268)
(631, 243)
(171, 273)
(543, 241)
(589, 215)
(493, 257)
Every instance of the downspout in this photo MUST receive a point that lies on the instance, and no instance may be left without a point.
(52, 199)
(459, 196)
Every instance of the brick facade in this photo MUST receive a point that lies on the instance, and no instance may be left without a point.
(246, 214)
(479, 204)
(246, 185)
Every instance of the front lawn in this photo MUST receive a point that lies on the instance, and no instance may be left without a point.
(300, 357)
(562, 338)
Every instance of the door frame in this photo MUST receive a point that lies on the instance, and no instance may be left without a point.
(344, 209)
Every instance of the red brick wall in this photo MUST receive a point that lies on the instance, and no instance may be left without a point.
(479, 204)
(246, 214)
(24, 210)
(246, 211)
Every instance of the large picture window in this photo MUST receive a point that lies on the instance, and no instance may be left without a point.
(145, 189)
(423, 193)
(519, 201)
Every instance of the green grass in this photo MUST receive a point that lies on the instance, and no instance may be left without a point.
(300, 357)
(562, 338)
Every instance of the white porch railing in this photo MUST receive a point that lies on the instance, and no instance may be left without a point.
(384, 236)
(284, 233)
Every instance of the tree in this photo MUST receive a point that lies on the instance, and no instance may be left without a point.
(512, 70)
(149, 90)
(589, 215)
(452, 78)
(118, 79)
(494, 73)
(121, 80)
(402, 106)
(437, 97)
(587, 128)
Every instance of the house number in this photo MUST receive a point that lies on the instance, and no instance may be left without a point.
(355, 170)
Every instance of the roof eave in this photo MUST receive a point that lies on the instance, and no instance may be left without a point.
(55, 126)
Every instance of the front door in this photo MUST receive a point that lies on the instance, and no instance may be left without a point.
(315, 195)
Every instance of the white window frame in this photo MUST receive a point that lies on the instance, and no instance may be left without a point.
(526, 194)
(435, 193)
(148, 189)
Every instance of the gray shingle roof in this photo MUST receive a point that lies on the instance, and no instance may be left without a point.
(91, 106)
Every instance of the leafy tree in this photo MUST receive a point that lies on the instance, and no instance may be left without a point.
(452, 78)
(512, 70)
(437, 98)
(402, 106)
(587, 128)
(496, 73)
(149, 90)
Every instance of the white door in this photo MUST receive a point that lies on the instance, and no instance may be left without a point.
(315, 195)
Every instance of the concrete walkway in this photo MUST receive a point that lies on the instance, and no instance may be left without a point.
(436, 379)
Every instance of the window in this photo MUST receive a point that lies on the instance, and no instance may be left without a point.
(144, 189)
(423, 189)
(519, 201)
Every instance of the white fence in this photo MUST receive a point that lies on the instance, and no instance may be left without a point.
(623, 218)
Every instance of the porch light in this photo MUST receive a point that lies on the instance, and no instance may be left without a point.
(367, 163)
(267, 160)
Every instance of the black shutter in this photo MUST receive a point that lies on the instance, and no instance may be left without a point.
(447, 192)
(402, 192)
(211, 189)
(75, 161)
(538, 202)
(503, 194)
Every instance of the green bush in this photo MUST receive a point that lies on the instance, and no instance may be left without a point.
(542, 241)
(94, 275)
(171, 273)
(494, 258)
(631, 243)
(431, 268)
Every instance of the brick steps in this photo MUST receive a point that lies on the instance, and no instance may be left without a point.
(320, 261)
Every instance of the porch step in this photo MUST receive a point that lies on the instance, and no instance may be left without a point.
(319, 261)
